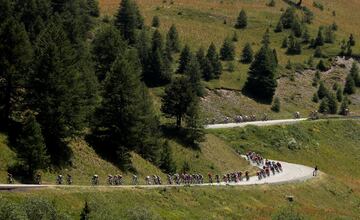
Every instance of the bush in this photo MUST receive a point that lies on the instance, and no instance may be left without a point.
(11, 211)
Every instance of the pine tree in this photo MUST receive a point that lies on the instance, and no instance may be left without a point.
(193, 73)
(317, 79)
(344, 108)
(194, 125)
(85, 213)
(288, 17)
(30, 146)
(294, 46)
(106, 46)
(159, 70)
(184, 60)
(318, 52)
(329, 35)
(322, 66)
(124, 119)
(324, 105)
(155, 22)
(261, 82)
(213, 58)
(173, 38)
(306, 36)
(355, 73)
(241, 22)
(332, 103)
(319, 41)
(57, 91)
(227, 51)
(128, 19)
(351, 40)
(296, 28)
(276, 105)
(167, 164)
(266, 38)
(339, 94)
(179, 96)
(279, 27)
(93, 7)
(322, 91)
(315, 98)
(15, 58)
(349, 85)
(247, 55)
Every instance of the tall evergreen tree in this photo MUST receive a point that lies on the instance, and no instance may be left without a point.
(106, 46)
(30, 146)
(213, 58)
(319, 41)
(294, 46)
(57, 91)
(143, 47)
(279, 27)
(194, 125)
(324, 106)
(266, 38)
(322, 91)
(159, 69)
(296, 28)
(123, 116)
(227, 51)
(247, 54)
(241, 22)
(184, 59)
(355, 73)
(329, 35)
(288, 17)
(344, 108)
(351, 40)
(306, 36)
(339, 94)
(332, 103)
(155, 22)
(261, 81)
(194, 74)
(179, 96)
(173, 38)
(15, 58)
(167, 164)
(349, 85)
(128, 19)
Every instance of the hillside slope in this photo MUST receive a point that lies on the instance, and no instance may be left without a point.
(334, 145)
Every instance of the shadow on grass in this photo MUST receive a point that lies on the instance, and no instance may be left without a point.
(180, 135)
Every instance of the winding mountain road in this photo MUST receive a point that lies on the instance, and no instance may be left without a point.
(291, 173)
(257, 123)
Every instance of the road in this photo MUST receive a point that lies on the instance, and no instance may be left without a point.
(257, 123)
(291, 173)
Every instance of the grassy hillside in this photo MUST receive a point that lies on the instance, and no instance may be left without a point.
(333, 145)
(295, 92)
(201, 22)
(87, 163)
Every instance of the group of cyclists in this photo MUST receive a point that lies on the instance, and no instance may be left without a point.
(265, 169)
